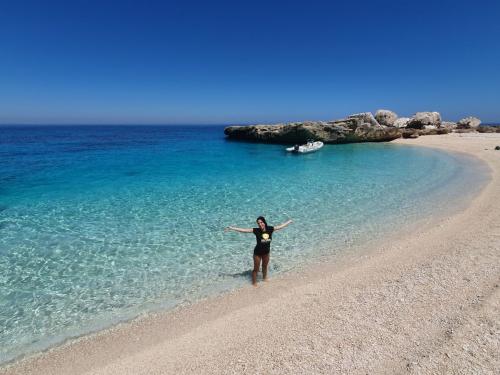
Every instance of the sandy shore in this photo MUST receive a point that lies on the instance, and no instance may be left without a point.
(425, 303)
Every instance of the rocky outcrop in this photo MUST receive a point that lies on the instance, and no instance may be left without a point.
(360, 127)
(363, 118)
(420, 119)
(430, 130)
(401, 122)
(410, 133)
(386, 117)
(448, 125)
(468, 123)
(464, 131)
(488, 129)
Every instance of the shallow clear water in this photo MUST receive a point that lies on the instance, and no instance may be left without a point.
(99, 224)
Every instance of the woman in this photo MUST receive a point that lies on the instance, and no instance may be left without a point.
(264, 236)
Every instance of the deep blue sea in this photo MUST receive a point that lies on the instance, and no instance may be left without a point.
(99, 224)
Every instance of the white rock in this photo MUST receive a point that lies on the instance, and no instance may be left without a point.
(386, 117)
(420, 119)
(468, 123)
(449, 125)
(401, 122)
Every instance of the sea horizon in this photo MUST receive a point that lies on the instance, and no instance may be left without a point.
(5, 125)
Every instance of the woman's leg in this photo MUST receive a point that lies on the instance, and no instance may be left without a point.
(265, 262)
(256, 266)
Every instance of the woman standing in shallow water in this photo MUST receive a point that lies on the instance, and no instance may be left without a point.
(263, 235)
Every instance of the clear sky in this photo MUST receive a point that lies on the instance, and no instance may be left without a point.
(245, 61)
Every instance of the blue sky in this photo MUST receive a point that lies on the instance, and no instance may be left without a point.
(191, 62)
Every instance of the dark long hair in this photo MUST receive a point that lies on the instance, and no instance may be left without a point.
(263, 220)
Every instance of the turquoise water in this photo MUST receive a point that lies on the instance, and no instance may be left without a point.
(100, 224)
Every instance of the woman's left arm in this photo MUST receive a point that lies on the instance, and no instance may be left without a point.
(281, 226)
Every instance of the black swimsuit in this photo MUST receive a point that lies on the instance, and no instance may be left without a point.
(264, 238)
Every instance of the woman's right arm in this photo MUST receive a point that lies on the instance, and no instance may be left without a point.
(241, 230)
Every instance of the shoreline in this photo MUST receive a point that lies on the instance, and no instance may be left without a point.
(340, 317)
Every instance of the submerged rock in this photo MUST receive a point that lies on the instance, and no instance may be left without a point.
(361, 127)
(420, 119)
(386, 117)
(469, 123)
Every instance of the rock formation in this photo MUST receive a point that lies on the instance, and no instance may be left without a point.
(428, 130)
(410, 133)
(364, 118)
(386, 117)
(360, 127)
(401, 122)
(420, 119)
(468, 123)
(448, 125)
(488, 129)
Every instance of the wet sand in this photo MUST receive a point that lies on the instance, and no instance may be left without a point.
(426, 301)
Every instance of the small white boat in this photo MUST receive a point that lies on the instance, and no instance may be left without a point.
(308, 147)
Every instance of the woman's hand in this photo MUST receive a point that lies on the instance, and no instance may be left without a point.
(285, 224)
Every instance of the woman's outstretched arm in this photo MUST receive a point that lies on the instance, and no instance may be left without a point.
(281, 226)
(241, 230)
